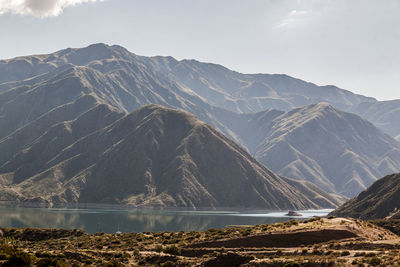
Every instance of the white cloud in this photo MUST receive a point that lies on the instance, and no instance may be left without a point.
(38, 8)
(295, 17)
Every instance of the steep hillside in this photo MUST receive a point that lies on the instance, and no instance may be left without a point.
(316, 194)
(213, 83)
(379, 201)
(384, 114)
(154, 156)
(339, 151)
(314, 143)
(249, 92)
(200, 82)
(112, 74)
(246, 93)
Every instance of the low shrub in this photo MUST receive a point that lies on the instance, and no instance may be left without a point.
(173, 249)
(158, 248)
(345, 253)
(374, 261)
(19, 258)
(45, 262)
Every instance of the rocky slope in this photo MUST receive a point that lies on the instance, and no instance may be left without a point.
(37, 92)
(250, 92)
(384, 114)
(379, 201)
(316, 194)
(338, 151)
(154, 156)
(111, 74)
(204, 82)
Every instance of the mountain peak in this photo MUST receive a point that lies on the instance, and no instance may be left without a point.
(98, 46)
(164, 115)
(320, 107)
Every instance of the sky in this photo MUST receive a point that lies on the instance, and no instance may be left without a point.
(353, 44)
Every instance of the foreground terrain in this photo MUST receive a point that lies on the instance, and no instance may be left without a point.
(315, 242)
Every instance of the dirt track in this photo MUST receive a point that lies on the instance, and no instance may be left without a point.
(285, 240)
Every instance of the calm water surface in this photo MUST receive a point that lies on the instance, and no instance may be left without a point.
(139, 220)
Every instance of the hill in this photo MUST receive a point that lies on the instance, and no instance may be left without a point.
(339, 151)
(213, 83)
(245, 93)
(154, 156)
(379, 201)
(384, 114)
(39, 91)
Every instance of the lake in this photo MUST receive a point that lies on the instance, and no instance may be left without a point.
(141, 220)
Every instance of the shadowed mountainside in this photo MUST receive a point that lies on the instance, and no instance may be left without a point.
(204, 82)
(379, 201)
(338, 151)
(37, 92)
(248, 93)
(154, 156)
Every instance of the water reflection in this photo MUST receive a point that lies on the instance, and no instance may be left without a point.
(108, 220)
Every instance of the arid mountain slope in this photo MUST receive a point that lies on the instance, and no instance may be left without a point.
(201, 83)
(316, 194)
(379, 201)
(112, 74)
(154, 156)
(310, 142)
(384, 114)
(249, 92)
(339, 151)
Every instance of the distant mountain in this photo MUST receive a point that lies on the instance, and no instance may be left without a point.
(336, 150)
(384, 114)
(188, 84)
(112, 74)
(154, 156)
(380, 200)
(316, 194)
(339, 151)
(250, 92)
(212, 83)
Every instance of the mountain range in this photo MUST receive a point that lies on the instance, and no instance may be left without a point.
(50, 102)
(153, 156)
(338, 151)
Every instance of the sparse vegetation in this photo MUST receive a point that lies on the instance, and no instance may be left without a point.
(49, 247)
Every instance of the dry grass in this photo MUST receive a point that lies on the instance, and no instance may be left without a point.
(371, 245)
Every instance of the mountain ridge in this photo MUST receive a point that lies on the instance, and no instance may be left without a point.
(133, 149)
(113, 76)
(296, 143)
